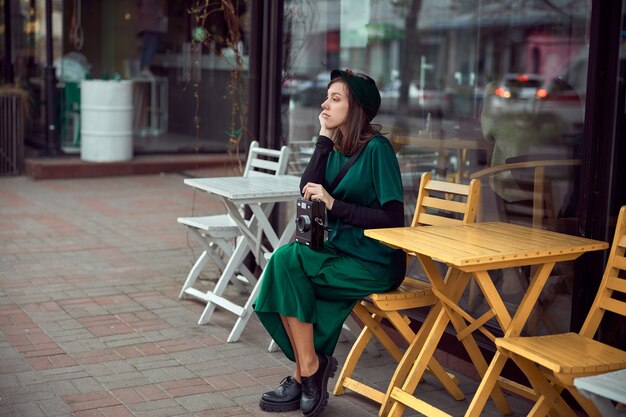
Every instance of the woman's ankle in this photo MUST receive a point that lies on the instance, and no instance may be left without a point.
(310, 367)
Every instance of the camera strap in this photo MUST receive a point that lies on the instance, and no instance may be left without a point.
(342, 173)
(344, 169)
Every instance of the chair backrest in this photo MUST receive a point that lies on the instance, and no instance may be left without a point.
(537, 173)
(612, 290)
(264, 161)
(445, 203)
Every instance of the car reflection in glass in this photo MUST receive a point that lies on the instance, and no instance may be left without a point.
(563, 97)
(437, 102)
(513, 93)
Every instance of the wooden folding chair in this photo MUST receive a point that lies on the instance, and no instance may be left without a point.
(218, 233)
(438, 203)
(551, 363)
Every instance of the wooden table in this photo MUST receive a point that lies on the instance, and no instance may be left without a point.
(473, 250)
(258, 193)
(604, 388)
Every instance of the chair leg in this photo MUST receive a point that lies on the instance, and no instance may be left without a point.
(225, 278)
(351, 325)
(549, 398)
(193, 274)
(227, 249)
(489, 386)
(585, 403)
(357, 348)
(208, 252)
(273, 347)
(449, 381)
(248, 310)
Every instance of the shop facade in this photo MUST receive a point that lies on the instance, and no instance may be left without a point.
(469, 89)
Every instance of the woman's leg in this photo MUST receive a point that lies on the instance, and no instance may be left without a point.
(287, 396)
(301, 336)
(315, 370)
(298, 374)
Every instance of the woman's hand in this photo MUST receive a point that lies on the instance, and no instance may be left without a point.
(312, 191)
(324, 131)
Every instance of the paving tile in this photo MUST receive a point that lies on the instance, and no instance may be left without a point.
(33, 393)
(91, 323)
(130, 379)
(158, 408)
(31, 409)
(62, 387)
(54, 407)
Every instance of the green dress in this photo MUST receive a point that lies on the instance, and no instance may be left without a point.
(322, 286)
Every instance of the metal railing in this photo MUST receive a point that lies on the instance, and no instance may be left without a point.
(11, 133)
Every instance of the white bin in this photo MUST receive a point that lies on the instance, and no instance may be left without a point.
(106, 115)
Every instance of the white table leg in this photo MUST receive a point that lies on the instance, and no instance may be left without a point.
(248, 309)
(251, 242)
(246, 314)
(229, 272)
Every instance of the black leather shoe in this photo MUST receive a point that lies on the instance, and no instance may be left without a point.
(314, 394)
(284, 398)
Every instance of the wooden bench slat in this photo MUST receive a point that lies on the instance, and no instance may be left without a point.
(433, 220)
(616, 284)
(444, 204)
(620, 262)
(447, 187)
(616, 306)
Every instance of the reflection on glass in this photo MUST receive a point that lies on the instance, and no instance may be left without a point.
(492, 89)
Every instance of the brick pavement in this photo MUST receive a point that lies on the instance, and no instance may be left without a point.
(91, 323)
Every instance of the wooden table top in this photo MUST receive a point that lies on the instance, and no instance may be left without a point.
(488, 245)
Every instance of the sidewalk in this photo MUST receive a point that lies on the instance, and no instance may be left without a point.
(91, 323)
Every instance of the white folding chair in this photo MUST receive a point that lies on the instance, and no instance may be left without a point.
(217, 234)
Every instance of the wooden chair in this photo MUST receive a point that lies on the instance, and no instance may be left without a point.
(217, 233)
(538, 185)
(435, 200)
(551, 363)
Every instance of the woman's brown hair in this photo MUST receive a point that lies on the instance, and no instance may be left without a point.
(359, 129)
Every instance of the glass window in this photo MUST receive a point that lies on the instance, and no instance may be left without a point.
(191, 96)
(465, 86)
(188, 61)
(27, 54)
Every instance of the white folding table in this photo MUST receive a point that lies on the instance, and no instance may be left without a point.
(604, 388)
(258, 193)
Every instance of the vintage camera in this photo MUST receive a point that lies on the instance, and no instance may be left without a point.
(310, 222)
